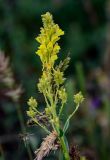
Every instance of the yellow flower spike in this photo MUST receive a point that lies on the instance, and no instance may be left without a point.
(49, 35)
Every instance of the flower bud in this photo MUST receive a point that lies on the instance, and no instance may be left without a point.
(78, 98)
(58, 77)
(63, 95)
(32, 102)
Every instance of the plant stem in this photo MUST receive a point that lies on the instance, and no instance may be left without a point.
(43, 127)
(56, 126)
(71, 115)
(63, 144)
(64, 148)
(62, 141)
(61, 109)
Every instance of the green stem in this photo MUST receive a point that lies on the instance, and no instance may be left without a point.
(71, 115)
(56, 94)
(46, 100)
(43, 127)
(62, 141)
(61, 109)
(56, 126)
(74, 112)
(64, 148)
(63, 144)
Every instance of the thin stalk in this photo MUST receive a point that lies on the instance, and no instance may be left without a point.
(46, 100)
(61, 139)
(64, 148)
(38, 112)
(71, 115)
(63, 144)
(43, 127)
(61, 109)
(56, 94)
(74, 111)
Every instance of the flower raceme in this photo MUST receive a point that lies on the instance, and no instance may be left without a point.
(51, 85)
(48, 37)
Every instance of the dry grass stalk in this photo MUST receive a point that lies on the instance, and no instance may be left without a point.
(8, 86)
(47, 145)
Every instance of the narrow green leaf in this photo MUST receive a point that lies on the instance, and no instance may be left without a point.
(66, 125)
(66, 142)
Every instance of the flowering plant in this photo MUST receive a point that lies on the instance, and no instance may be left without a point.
(51, 85)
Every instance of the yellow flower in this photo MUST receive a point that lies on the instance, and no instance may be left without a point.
(63, 95)
(78, 98)
(32, 102)
(31, 113)
(49, 35)
(58, 77)
(44, 82)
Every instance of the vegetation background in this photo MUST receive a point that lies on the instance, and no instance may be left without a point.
(87, 39)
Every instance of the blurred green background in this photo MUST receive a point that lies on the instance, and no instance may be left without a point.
(87, 40)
